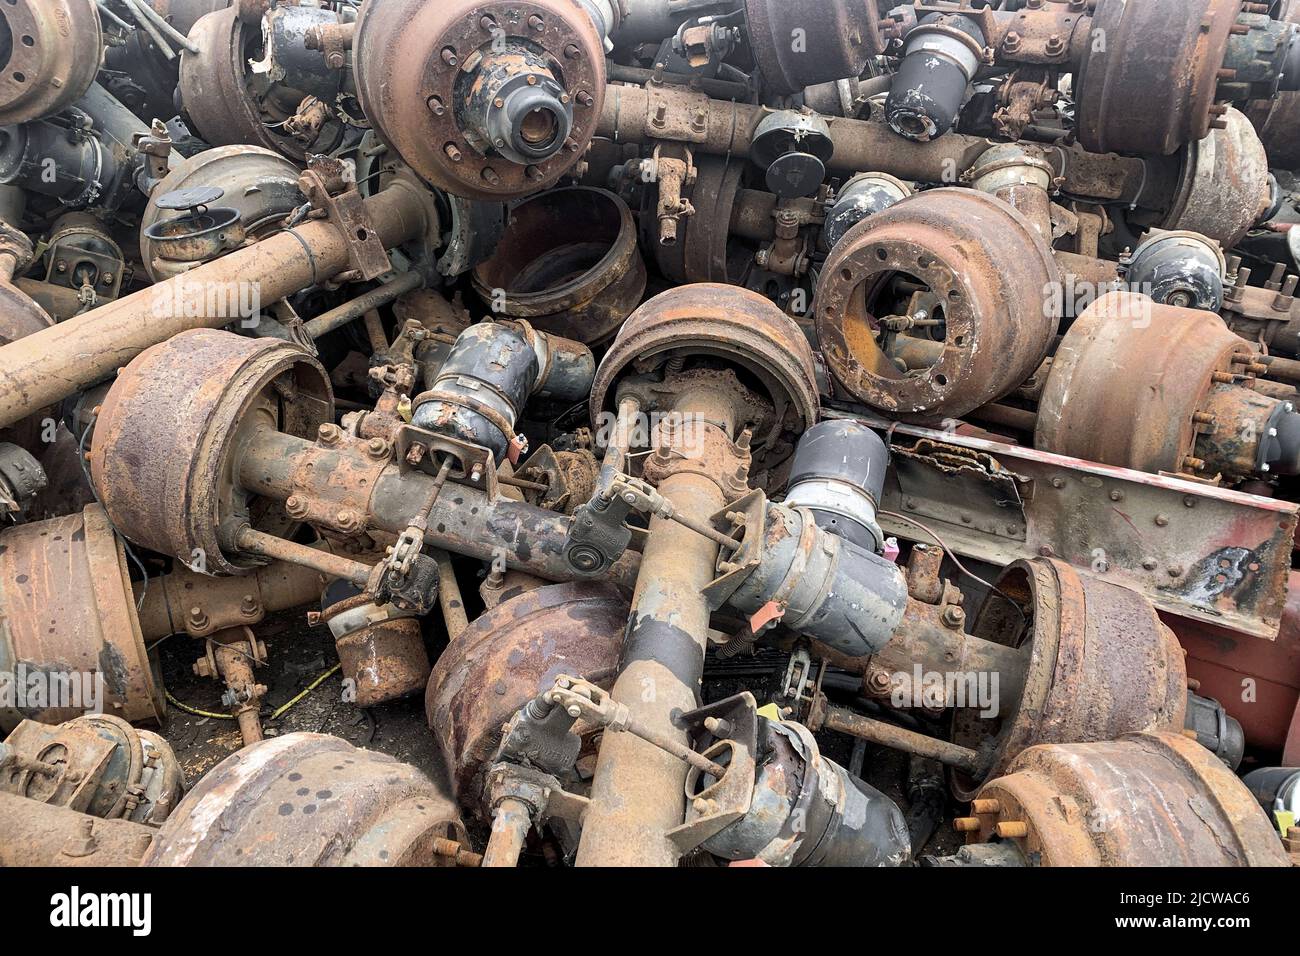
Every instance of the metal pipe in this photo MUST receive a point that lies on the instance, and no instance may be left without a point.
(54, 363)
(449, 597)
(629, 115)
(888, 735)
(638, 791)
(341, 315)
(251, 541)
(510, 825)
(469, 522)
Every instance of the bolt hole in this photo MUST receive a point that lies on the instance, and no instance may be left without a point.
(882, 255)
(846, 275)
(20, 77)
(28, 41)
(941, 380)
(362, 234)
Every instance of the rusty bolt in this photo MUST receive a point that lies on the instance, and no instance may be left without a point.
(1055, 44)
(1046, 551)
(536, 23)
(197, 619)
(248, 605)
(60, 266)
(415, 454)
(571, 52)
(202, 668)
(533, 173)
(436, 105)
(108, 278)
(1162, 520)
(377, 448)
(1175, 570)
(1058, 482)
(987, 805)
(1012, 829)
(329, 433)
(1011, 42)
(878, 682)
(1116, 495)
(966, 824)
(584, 98)
(1150, 564)
(334, 60)
(490, 176)
(953, 617)
(660, 117)
(449, 56)
(296, 506)
(347, 519)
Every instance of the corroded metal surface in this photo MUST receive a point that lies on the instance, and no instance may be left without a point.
(54, 48)
(990, 276)
(507, 657)
(724, 323)
(260, 183)
(308, 800)
(568, 263)
(214, 91)
(800, 43)
(1100, 664)
(1127, 380)
(1147, 799)
(1120, 107)
(1163, 537)
(69, 615)
(182, 409)
(409, 53)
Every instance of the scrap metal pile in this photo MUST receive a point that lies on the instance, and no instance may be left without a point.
(676, 394)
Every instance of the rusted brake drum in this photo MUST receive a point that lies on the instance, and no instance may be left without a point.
(1100, 664)
(214, 86)
(975, 278)
(799, 43)
(70, 622)
(509, 656)
(1128, 380)
(259, 183)
(310, 800)
(1150, 85)
(485, 100)
(568, 264)
(54, 51)
(96, 764)
(706, 326)
(165, 442)
(1146, 799)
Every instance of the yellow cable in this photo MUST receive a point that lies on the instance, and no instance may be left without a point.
(310, 687)
(194, 710)
(274, 714)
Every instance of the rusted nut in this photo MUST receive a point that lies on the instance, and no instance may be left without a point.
(953, 617)
(986, 277)
(378, 449)
(203, 668)
(197, 619)
(248, 605)
(329, 434)
(347, 520)
(1011, 42)
(296, 506)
